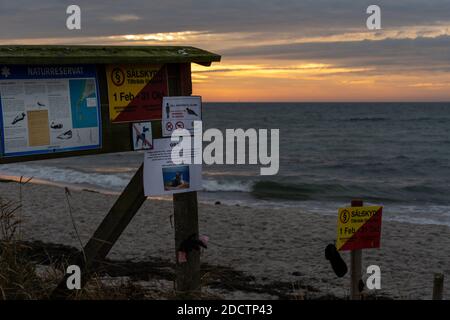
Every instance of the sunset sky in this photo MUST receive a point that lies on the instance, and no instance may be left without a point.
(278, 50)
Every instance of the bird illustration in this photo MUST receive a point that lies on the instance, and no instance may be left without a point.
(191, 112)
(56, 125)
(18, 118)
(65, 136)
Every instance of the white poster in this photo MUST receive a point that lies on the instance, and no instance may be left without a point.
(48, 109)
(162, 176)
(142, 135)
(180, 113)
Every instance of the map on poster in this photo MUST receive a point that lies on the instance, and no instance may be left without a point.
(46, 109)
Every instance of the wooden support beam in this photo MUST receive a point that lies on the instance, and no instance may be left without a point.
(107, 233)
(127, 205)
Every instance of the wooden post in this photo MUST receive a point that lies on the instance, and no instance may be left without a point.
(186, 211)
(186, 224)
(355, 265)
(107, 233)
(438, 286)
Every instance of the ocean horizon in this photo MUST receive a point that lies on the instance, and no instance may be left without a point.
(391, 154)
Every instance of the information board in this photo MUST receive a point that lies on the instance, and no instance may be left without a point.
(51, 108)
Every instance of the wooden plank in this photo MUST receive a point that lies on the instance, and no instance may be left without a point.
(185, 79)
(88, 54)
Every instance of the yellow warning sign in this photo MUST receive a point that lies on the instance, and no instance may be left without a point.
(359, 228)
(135, 92)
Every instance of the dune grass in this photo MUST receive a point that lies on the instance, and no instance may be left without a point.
(22, 278)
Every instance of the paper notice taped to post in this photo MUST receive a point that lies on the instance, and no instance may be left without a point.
(180, 113)
(163, 177)
(142, 135)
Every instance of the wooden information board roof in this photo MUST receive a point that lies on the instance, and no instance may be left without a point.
(104, 55)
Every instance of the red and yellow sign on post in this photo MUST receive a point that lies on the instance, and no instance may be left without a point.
(135, 92)
(359, 228)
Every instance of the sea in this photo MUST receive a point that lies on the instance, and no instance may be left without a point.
(391, 154)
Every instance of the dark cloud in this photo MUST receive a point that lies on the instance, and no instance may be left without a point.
(46, 18)
(275, 19)
(401, 54)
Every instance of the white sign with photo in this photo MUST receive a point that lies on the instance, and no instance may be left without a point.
(162, 176)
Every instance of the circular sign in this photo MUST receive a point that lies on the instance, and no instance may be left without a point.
(169, 126)
(344, 216)
(118, 77)
(180, 125)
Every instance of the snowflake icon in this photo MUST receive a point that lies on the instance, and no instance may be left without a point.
(6, 72)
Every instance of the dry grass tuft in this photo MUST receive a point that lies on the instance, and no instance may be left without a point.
(18, 279)
(22, 278)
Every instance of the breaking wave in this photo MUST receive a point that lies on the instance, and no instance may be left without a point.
(67, 175)
(227, 186)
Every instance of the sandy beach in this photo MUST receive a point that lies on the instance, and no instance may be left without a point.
(283, 246)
